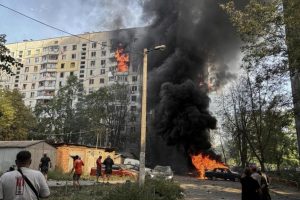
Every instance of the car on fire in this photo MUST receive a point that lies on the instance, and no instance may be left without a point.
(222, 173)
(117, 170)
(161, 172)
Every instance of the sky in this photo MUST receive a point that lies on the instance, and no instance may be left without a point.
(74, 16)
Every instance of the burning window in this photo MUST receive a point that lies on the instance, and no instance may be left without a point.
(122, 60)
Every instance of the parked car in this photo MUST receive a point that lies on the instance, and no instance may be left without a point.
(163, 172)
(117, 170)
(223, 173)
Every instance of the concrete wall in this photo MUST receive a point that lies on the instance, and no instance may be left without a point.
(8, 155)
(37, 152)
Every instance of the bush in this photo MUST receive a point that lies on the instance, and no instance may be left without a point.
(152, 190)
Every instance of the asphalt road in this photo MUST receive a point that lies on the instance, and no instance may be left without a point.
(227, 190)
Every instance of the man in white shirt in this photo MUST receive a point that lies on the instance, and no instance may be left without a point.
(13, 185)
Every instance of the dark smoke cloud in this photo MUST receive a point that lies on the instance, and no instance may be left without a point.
(193, 31)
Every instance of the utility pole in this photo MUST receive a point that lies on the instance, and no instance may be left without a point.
(144, 114)
(143, 121)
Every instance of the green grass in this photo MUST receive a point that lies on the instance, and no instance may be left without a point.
(153, 190)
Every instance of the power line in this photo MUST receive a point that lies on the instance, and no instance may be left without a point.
(58, 29)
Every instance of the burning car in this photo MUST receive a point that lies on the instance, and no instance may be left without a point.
(222, 173)
(161, 172)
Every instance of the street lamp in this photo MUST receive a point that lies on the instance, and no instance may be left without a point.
(144, 113)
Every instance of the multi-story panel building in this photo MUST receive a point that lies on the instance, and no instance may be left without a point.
(90, 57)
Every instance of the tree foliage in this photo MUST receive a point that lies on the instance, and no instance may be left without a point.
(6, 61)
(16, 120)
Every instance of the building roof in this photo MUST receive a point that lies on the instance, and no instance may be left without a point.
(19, 144)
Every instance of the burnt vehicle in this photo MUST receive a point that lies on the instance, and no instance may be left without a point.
(161, 172)
(222, 173)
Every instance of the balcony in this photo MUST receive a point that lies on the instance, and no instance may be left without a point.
(50, 69)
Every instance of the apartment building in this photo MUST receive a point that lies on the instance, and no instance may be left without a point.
(90, 57)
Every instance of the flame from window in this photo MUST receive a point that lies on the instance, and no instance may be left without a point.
(204, 162)
(122, 60)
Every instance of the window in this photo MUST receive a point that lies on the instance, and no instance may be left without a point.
(24, 86)
(63, 57)
(73, 56)
(82, 62)
(84, 49)
(26, 69)
(102, 71)
(133, 98)
(37, 51)
(91, 81)
(33, 86)
(60, 83)
(71, 73)
(134, 88)
(55, 42)
(91, 72)
(84, 44)
(31, 94)
(81, 75)
(101, 80)
(16, 85)
(35, 69)
(83, 53)
(37, 59)
(111, 69)
(20, 54)
(111, 78)
(61, 75)
(82, 66)
(62, 65)
(28, 52)
(26, 77)
(134, 78)
(94, 44)
(104, 44)
(72, 65)
(133, 108)
(28, 60)
(64, 48)
(93, 63)
(103, 53)
(103, 62)
(93, 54)
(74, 47)
(132, 129)
(81, 71)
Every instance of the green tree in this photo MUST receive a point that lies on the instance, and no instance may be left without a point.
(107, 111)
(270, 32)
(58, 118)
(6, 61)
(16, 119)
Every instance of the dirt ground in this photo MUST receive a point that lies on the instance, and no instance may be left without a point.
(227, 190)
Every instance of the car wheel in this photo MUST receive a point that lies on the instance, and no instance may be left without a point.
(236, 179)
(214, 178)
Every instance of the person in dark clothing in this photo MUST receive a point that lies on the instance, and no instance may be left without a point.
(108, 162)
(265, 187)
(250, 187)
(44, 165)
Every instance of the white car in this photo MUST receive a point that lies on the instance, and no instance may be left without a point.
(162, 172)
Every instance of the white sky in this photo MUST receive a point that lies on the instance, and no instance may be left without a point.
(74, 16)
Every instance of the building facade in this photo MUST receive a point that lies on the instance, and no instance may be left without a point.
(91, 57)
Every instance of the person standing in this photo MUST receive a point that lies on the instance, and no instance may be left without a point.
(108, 162)
(250, 187)
(23, 183)
(99, 168)
(45, 164)
(77, 168)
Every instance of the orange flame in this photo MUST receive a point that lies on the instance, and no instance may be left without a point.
(122, 60)
(204, 162)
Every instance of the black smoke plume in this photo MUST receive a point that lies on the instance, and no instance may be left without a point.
(193, 31)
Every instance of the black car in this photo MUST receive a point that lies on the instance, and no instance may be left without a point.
(222, 173)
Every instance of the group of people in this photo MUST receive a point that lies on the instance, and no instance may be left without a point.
(255, 185)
